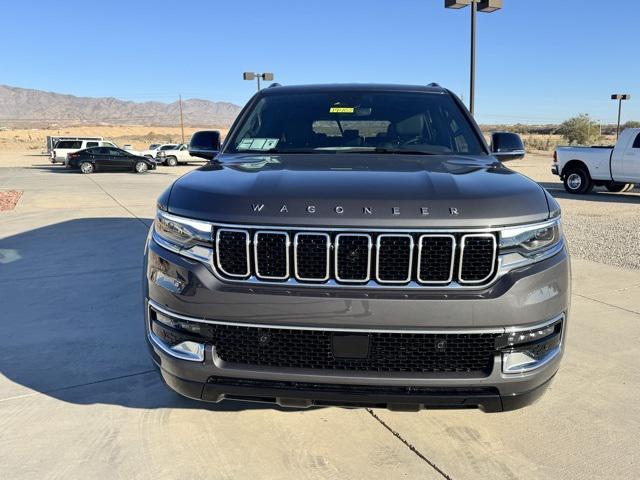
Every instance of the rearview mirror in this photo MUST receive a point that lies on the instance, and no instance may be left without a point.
(507, 146)
(205, 144)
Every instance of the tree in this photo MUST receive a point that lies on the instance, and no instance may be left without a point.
(630, 124)
(580, 129)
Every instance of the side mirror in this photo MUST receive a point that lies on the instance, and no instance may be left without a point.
(507, 146)
(205, 144)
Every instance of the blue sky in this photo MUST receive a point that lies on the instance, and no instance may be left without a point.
(538, 61)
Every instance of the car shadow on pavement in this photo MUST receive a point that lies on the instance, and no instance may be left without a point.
(71, 317)
(599, 194)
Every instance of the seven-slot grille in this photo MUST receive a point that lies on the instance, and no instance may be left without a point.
(357, 258)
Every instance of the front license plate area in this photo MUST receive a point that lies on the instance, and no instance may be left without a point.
(351, 345)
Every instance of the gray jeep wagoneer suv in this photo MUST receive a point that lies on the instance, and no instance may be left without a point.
(357, 245)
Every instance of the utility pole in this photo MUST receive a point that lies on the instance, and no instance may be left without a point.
(181, 119)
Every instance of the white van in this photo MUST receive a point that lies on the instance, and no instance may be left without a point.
(63, 147)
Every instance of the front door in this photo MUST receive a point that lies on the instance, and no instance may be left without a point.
(631, 161)
(120, 159)
(101, 156)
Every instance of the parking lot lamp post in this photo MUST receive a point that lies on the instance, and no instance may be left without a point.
(485, 6)
(620, 97)
(267, 76)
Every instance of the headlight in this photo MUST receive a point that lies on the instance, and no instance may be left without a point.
(531, 239)
(192, 238)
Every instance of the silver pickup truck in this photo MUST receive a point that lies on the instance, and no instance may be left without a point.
(617, 168)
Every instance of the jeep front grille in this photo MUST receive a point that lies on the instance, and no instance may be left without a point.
(356, 258)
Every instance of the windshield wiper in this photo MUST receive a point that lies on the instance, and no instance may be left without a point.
(292, 150)
(405, 152)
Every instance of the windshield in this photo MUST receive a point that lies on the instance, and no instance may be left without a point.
(382, 122)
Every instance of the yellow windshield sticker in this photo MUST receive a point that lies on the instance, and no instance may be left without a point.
(341, 110)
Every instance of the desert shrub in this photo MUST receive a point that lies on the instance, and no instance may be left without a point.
(580, 129)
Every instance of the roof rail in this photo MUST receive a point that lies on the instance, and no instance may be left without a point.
(274, 85)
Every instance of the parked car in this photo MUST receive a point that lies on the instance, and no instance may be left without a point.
(153, 152)
(53, 140)
(64, 147)
(617, 167)
(108, 159)
(175, 156)
(357, 245)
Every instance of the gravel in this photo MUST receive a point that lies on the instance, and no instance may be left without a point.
(602, 227)
(606, 240)
(9, 199)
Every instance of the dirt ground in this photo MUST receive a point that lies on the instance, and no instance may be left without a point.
(139, 136)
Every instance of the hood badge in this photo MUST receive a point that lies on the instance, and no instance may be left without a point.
(339, 210)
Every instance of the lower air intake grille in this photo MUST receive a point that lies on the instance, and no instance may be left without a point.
(388, 352)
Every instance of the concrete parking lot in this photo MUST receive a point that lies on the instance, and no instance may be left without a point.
(79, 397)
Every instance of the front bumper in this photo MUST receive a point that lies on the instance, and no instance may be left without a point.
(307, 394)
(554, 169)
(521, 299)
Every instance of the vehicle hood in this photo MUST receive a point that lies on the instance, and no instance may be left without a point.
(359, 190)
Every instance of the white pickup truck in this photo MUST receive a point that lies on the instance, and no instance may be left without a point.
(177, 155)
(617, 168)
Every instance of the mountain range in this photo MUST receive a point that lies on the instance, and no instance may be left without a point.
(26, 107)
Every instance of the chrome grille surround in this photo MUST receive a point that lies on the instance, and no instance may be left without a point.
(219, 233)
(337, 254)
(296, 242)
(256, 240)
(449, 279)
(382, 236)
(461, 261)
(329, 245)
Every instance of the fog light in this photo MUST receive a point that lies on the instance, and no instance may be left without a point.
(176, 323)
(176, 337)
(189, 350)
(526, 350)
(192, 349)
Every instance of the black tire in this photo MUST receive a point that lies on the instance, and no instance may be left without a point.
(577, 181)
(87, 167)
(141, 167)
(619, 187)
(171, 161)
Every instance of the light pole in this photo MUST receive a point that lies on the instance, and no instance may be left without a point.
(620, 97)
(257, 76)
(485, 6)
